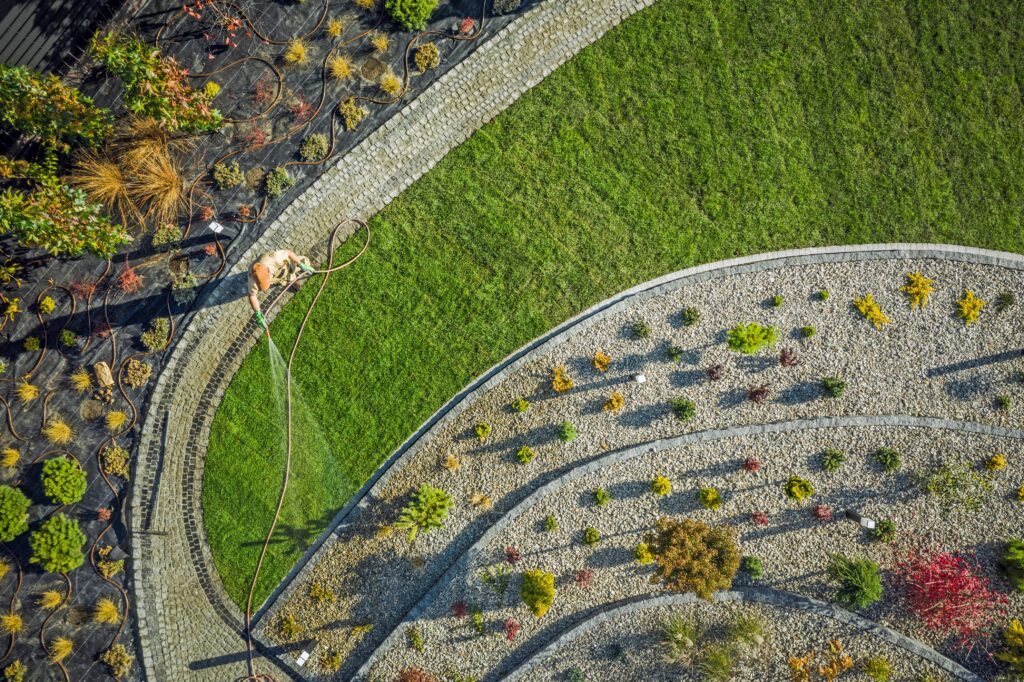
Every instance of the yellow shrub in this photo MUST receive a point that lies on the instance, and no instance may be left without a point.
(61, 649)
(917, 289)
(560, 380)
(11, 624)
(615, 402)
(601, 361)
(380, 43)
(58, 432)
(427, 57)
(481, 501)
(871, 311)
(352, 113)
(340, 67)
(296, 54)
(366, 4)
(334, 27)
(390, 83)
(5, 568)
(996, 462)
(451, 462)
(106, 611)
(970, 307)
(26, 392)
(115, 419)
(9, 457)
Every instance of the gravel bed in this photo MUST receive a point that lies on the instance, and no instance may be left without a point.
(794, 547)
(927, 363)
(629, 647)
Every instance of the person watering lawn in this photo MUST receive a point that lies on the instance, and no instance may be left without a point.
(274, 267)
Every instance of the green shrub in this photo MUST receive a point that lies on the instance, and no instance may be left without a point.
(957, 486)
(277, 182)
(1013, 654)
(68, 338)
(641, 330)
(567, 432)
(1004, 402)
(859, 579)
(46, 306)
(693, 557)
(13, 513)
(717, 663)
(691, 316)
(31, 344)
(710, 498)
(675, 354)
(537, 591)
(808, 331)
(778, 301)
(156, 337)
(42, 106)
(314, 148)
(601, 497)
(412, 15)
(482, 431)
(1005, 300)
(661, 486)
(643, 554)
(525, 454)
(878, 668)
(227, 175)
(748, 339)
(1012, 563)
(520, 404)
(684, 409)
(415, 638)
(427, 510)
(889, 459)
(753, 567)
(823, 295)
(550, 523)
(884, 530)
(833, 386)
(165, 237)
(63, 480)
(57, 545)
(798, 489)
(832, 459)
(591, 536)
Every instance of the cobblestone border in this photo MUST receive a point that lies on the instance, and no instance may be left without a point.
(625, 454)
(762, 595)
(187, 625)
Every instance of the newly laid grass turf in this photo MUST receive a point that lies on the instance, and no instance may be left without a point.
(696, 131)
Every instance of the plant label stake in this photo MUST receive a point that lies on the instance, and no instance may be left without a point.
(216, 227)
(864, 521)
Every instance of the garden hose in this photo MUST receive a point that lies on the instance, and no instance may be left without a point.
(253, 676)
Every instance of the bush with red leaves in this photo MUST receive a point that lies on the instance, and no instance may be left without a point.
(301, 110)
(513, 555)
(716, 372)
(103, 514)
(787, 358)
(460, 609)
(206, 213)
(512, 628)
(467, 26)
(822, 512)
(255, 137)
(758, 394)
(102, 330)
(950, 594)
(584, 578)
(752, 464)
(83, 290)
(415, 674)
(210, 250)
(128, 280)
(244, 210)
(759, 518)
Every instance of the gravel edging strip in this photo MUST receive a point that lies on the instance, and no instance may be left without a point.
(763, 595)
(625, 454)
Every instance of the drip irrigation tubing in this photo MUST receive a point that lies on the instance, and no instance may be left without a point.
(253, 676)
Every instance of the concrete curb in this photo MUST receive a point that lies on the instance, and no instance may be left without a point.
(758, 595)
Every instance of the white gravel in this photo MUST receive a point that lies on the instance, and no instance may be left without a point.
(379, 578)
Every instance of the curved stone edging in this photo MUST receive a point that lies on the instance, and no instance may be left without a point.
(762, 595)
(625, 454)
(187, 624)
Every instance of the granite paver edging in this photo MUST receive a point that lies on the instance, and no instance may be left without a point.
(187, 624)
(762, 595)
(640, 449)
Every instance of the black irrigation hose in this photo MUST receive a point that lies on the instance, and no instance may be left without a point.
(326, 272)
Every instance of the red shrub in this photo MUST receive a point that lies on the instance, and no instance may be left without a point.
(584, 578)
(460, 609)
(206, 213)
(949, 593)
(244, 210)
(255, 137)
(512, 628)
(513, 555)
(83, 290)
(467, 26)
(103, 514)
(128, 280)
(301, 110)
(758, 394)
(716, 372)
(102, 330)
(210, 250)
(759, 518)
(787, 358)
(415, 674)
(264, 91)
(822, 512)
(752, 464)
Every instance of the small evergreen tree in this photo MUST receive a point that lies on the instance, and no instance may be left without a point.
(13, 513)
(538, 591)
(57, 545)
(427, 510)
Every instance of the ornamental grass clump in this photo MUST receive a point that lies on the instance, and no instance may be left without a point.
(57, 545)
(297, 53)
(106, 612)
(11, 623)
(334, 27)
(390, 83)
(26, 392)
(61, 648)
(115, 419)
(80, 380)
(860, 583)
(427, 510)
(537, 591)
(679, 636)
(918, 288)
(340, 67)
(871, 311)
(380, 43)
(1012, 563)
(749, 339)
(693, 557)
(63, 480)
(13, 513)
(969, 307)
(9, 457)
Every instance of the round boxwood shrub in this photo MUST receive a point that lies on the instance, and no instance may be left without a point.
(538, 591)
(13, 513)
(63, 480)
(412, 15)
(57, 545)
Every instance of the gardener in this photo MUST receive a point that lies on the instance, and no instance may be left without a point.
(274, 267)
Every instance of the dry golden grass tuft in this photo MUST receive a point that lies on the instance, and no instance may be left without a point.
(81, 380)
(156, 184)
(106, 612)
(9, 458)
(26, 392)
(340, 67)
(380, 43)
(390, 83)
(50, 599)
(366, 4)
(58, 431)
(297, 53)
(115, 419)
(60, 649)
(11, 624)
(334, 27)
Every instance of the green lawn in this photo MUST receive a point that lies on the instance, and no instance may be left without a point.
(696, 131)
